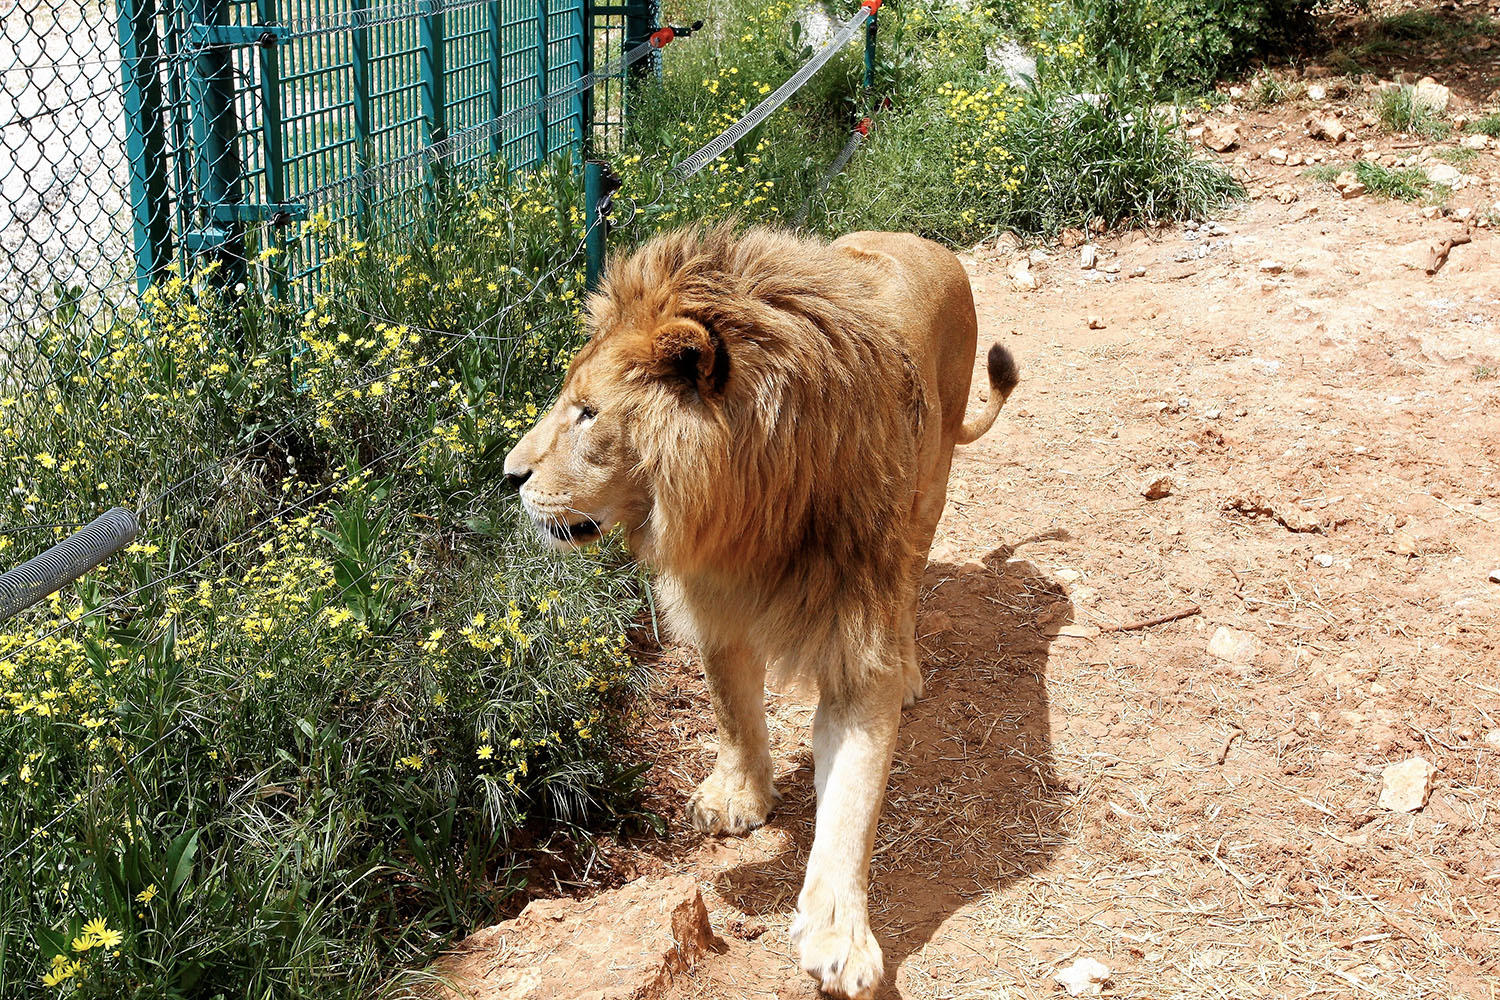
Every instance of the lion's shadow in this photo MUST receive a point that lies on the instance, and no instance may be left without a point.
(973, 803)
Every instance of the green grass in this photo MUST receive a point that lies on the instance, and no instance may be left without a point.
(1488, 125)
(1269, 89)
(1403, 184)
(1484, 373)
(1401, 109)
(1460, 157)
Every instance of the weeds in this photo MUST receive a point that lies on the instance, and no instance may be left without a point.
(1402, 109)
(1461, 158)
(1488, 125)
(1403, 184)
(1484, 373)
(1269, 89)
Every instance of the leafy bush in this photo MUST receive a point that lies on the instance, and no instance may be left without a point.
(282, 742)
(1154, 45)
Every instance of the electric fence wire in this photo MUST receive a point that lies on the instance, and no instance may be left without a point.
(716, 147)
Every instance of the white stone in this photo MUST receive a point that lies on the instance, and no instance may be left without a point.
(1084, 978)
(1234, 645)
(1443, 173)
(1088, 256)
(1323, 559)
(1406, 786)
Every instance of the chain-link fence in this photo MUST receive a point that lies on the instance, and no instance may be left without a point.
(142, 132)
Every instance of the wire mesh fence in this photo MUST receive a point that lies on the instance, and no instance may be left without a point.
(147, 132)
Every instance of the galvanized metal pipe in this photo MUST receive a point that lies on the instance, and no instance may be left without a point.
(66, 561)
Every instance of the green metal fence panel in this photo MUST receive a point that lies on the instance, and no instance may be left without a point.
(146, 132)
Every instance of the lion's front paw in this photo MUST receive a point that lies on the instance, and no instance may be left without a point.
(838, 950)
(912, 679)
(732, 804)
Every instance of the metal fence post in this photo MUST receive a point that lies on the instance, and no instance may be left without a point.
(640, 21)
(434, 81)
(541, 82)
(215, 133)
(584, 102)
(870, 53)
(270, 99)
(596, 235)
(145, 137)
(360, 63)
(496, 47)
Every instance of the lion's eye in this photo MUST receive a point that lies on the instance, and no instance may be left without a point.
(586, 414)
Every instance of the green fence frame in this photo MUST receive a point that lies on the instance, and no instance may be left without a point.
(285, 108)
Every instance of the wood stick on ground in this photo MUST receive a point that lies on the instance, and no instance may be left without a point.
(1171, 616)
(1234, 734)
(1440, 252)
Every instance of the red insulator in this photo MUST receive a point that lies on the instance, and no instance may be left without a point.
(872, 6)
(863, 128)
(661, 36)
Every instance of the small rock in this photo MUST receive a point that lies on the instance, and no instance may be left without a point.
(1096, 322)
(1495, 576)
(1349, 185)
(1234, 645)
(1493, 737)
(1088, 256)
(1323, 559)
(1221, 136)
(1269, 266)
(1213, 414)
(1071, 238)
(1317, 92)
(1328, 129)
(1161, 486)
(1084, 978)
(1480, 141)
(1406, 786)
(1066, 575)
(1442, 173)
(1431, 212)
(1284, 193)
(1138, 271)
(1020, 275)
(1433, 94)
(1277, 155)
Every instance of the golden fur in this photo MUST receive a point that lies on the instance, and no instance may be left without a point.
(771, 420)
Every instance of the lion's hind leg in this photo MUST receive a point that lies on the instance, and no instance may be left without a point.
(854, 736)
(738, 795)
(926, 512)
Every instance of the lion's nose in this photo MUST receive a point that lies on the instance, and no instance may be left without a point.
(515, 479)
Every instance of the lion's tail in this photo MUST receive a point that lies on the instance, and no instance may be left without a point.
(1003, 379)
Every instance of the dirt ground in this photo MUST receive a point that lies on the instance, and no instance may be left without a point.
(1328, 418)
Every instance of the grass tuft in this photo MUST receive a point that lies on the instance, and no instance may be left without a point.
(1403, 184)
(1401, 109)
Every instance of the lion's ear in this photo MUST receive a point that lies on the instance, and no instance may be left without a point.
(687, 351)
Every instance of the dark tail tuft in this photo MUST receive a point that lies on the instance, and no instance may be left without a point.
(1002, 369)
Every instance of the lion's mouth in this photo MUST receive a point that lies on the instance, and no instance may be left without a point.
(583, 531)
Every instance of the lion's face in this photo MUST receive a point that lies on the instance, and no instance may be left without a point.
(577, 467)
(580, 469)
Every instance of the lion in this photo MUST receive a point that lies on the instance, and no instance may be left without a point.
(770, 419)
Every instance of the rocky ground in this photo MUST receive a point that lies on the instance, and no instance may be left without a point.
(1277, 429)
